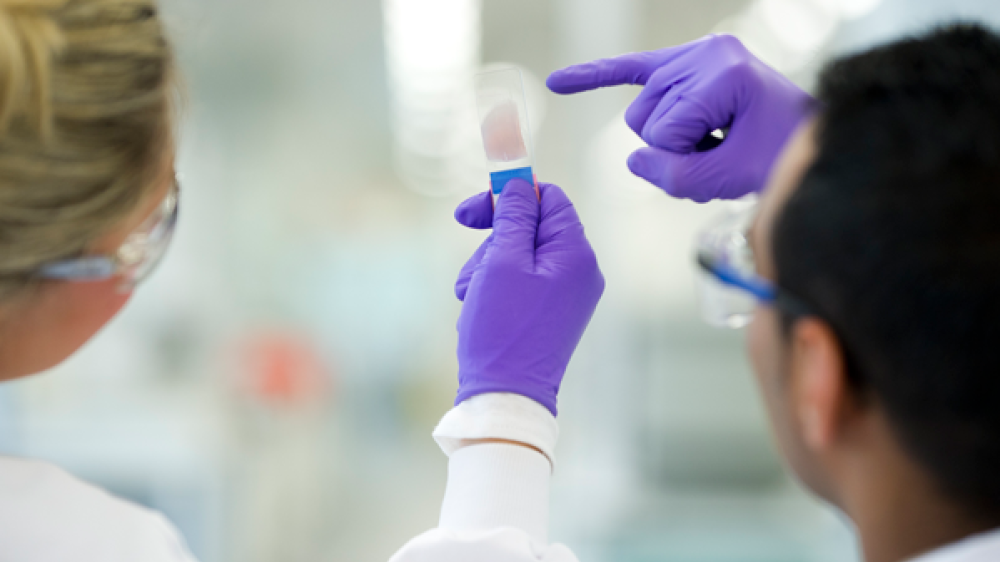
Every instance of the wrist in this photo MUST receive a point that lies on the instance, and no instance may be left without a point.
(545, 397)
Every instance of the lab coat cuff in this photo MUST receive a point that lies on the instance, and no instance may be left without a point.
(497, 485)
(499, 415)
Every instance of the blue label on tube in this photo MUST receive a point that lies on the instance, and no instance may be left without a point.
(499, 179)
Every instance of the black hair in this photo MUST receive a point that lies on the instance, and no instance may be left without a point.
(893, 236)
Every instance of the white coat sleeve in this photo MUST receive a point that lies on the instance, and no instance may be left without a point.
(496, 503)
(47, 515)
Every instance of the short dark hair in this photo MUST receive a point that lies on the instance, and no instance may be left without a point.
(893, 236)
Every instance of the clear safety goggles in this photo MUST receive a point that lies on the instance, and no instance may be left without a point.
(729, 287)
(135, 259)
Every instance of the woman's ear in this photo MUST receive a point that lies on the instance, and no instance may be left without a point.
(820, 393)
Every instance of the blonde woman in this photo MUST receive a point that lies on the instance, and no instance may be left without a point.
(88, 204)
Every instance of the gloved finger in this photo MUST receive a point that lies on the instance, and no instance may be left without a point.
(558, 215)
(465, 275)
(561, 242)
(515, 224)
(660, 168)
(686, 176)
(476, 211)
(633, 68)
(665, 87)
(678, 125)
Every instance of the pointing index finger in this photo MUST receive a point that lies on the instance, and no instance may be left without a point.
(633, 68)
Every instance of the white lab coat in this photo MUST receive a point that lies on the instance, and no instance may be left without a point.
(495, 507)
(46, 515)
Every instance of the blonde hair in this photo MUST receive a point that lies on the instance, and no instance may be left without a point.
(86, 92)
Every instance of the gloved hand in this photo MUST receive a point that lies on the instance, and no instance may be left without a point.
(691, 90)
(529, 292)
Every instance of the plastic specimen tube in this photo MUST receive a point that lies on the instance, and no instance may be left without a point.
(503, 121)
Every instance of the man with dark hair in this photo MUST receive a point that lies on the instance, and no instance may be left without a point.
(869, 275)
(875, 264)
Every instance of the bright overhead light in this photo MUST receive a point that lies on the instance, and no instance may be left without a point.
(802, 26)
(850, 9)
(432, 51)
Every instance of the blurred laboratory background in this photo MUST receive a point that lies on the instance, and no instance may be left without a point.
(273, 388)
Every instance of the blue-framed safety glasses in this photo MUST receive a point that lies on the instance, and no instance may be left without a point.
(135, 259)
(729, 287)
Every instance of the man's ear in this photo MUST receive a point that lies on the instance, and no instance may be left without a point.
(819, 390)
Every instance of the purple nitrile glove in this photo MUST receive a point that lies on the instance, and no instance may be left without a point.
(528, 292)
(691, 90)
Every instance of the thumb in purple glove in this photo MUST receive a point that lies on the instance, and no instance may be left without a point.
(529, 292)
(690, 90)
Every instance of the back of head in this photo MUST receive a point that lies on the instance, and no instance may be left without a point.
(894, 237)
(85, 124)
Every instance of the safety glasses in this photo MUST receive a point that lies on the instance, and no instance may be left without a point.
(135, 259)
(729, 287)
